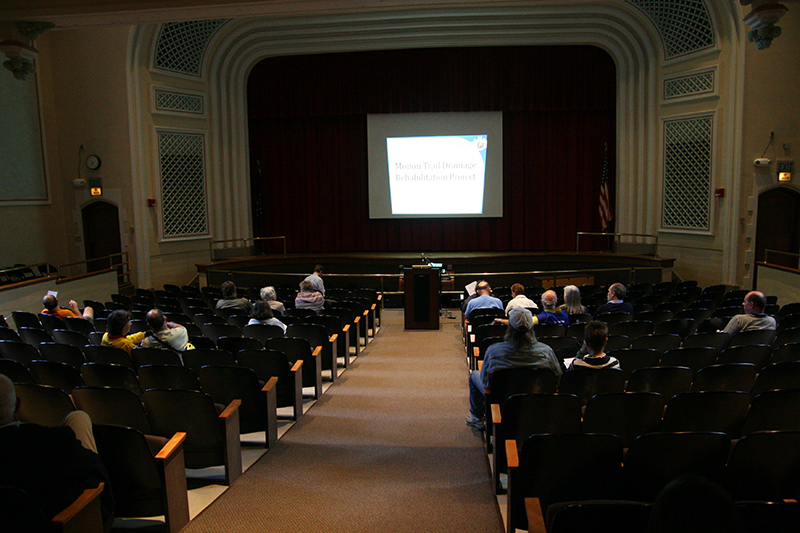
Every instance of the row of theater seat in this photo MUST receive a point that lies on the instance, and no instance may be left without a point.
(200, 400)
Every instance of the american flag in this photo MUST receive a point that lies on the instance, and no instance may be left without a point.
(606, 211)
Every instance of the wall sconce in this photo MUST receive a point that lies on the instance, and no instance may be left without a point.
(21, 54)
(762, 21)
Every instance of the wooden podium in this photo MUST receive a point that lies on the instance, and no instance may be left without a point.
(421, 294)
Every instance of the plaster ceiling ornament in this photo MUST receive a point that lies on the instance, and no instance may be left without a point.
(20, 50)
(762, 20)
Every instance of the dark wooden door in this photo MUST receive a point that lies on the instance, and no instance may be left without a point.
(778, 226)
(101, 235)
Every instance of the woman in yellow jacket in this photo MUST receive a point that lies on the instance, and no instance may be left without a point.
(119, 325)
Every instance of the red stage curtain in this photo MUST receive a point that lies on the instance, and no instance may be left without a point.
(307, 118)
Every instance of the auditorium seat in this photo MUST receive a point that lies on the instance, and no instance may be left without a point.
(257, 411)
(108, 405)
(682, 327)
(107, 375)
(786, 353)
(61, 375)
(15, 371)
(237, 344)
(624, 414)
(8, 334)
(153, 356)
(297, 350)
(765, 466)
(694, 358)
(756, 354)
(665, 380)
(197, 358)
(596, 515)
(215, 331)
(24, 319)
(632, 328)
(614, 318)
(774, 410)
(20, 352)
(655, 317)
(107, 354)
(585, 383)
(559, 468)
(168, 377)
(65, 336)
(42, 404)
(211, 440)
(267, 364)
(21, 513)
(720, 411)
(317, 335)
(618, 342)
(655, 459)
(660, 343)
(631, 359)
(786, 336)
(753, 337)
(718, 340)
(81, 325)
(145, 484)
(262, 332)
(334, 326)
(522, 415)
(780, 376)
(51, 322)
(34, 336)
(728, 377)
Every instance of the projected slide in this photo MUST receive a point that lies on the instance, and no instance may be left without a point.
(436, 175)
(429, 165)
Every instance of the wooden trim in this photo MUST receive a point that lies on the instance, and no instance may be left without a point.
(297, 365)
(171, 446)
(232, 445)
(512, 458)
(297, 406)
(533, 508)
(271, 384)
(82, 515)
(271, 412)
(496, 416)
(172, 470)
(317, 351)
(231, 409)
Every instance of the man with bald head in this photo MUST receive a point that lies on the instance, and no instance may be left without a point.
(50, 303)
(753, 317)
(49, 463)
(165, 335)
(551, 314)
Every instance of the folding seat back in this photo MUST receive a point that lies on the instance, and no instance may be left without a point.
(106, 375)
(661, 343)
(168, 377)
(24, 319)
(8, 334)
(786, 353)
(614, 318)
(755, 354)
(655, 459)
(718, 340)
(262, 332)
(65, 336)
(765, 466)
(107, 354)
(618, 342)
(107, 405)
(775, 410)
(665, 380)
(144, 485)
(20, 352)
(656, 316)
(15, 371)
(753, 337)
(300, 349)
(577, 517)
(727, 377)
(51, 322)
(632, 328)
(34, 336)
(316, 335)
(215, 331)
(62, 353)
(42, 404)
(65, 377)
(585, 383)
(549, 330)
(631, 359)
(561, 467)
(683, 327)
(237, 344)
(197, 358)
(694, 358)
(786, 336)
(780, 376)
(719, 411)
(273, 363)
(154, 356)
(624, 414)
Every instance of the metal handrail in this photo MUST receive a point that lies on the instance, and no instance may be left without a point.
(768, 250)
(244, 241)
(606, 234)
(123, 276)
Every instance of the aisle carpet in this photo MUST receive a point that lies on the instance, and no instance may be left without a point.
(385, 449)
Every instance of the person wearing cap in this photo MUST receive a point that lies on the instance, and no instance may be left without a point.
(518, 349)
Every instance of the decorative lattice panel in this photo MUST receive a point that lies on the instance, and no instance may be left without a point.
(183, 184)
(694, 84)
(179, 102)
(181, 45)
(687, 173)
(684, 25)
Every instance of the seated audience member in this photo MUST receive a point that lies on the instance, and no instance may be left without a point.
(616, 303)
(753, 317)
(572, 302)
(594, 342)
(165, 335)
(308, 298)
(518, 298)
(551, 313)
(315, 279)
(50, 304)
(519, 349)
(231, 301)
(483, 299)
(269, 294)
(50, 463)
(118, 327)
(262, 314)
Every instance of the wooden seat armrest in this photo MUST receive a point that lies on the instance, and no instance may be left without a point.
(333, 338)
(472, 338)
(356, 319)
(171, 446)
(346, 328)
(232, 408)
(270, 384)
(533, 508)
(380, 297)
(496, 416)
(317, 351)
(365, 313)
(75, 508)
(373, 306)
(480, 364)
(297, 365)
(511, 454)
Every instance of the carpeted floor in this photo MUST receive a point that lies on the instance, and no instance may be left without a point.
(385, 449)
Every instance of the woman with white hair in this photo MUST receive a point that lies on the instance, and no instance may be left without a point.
(572, 302)
(269, 294)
